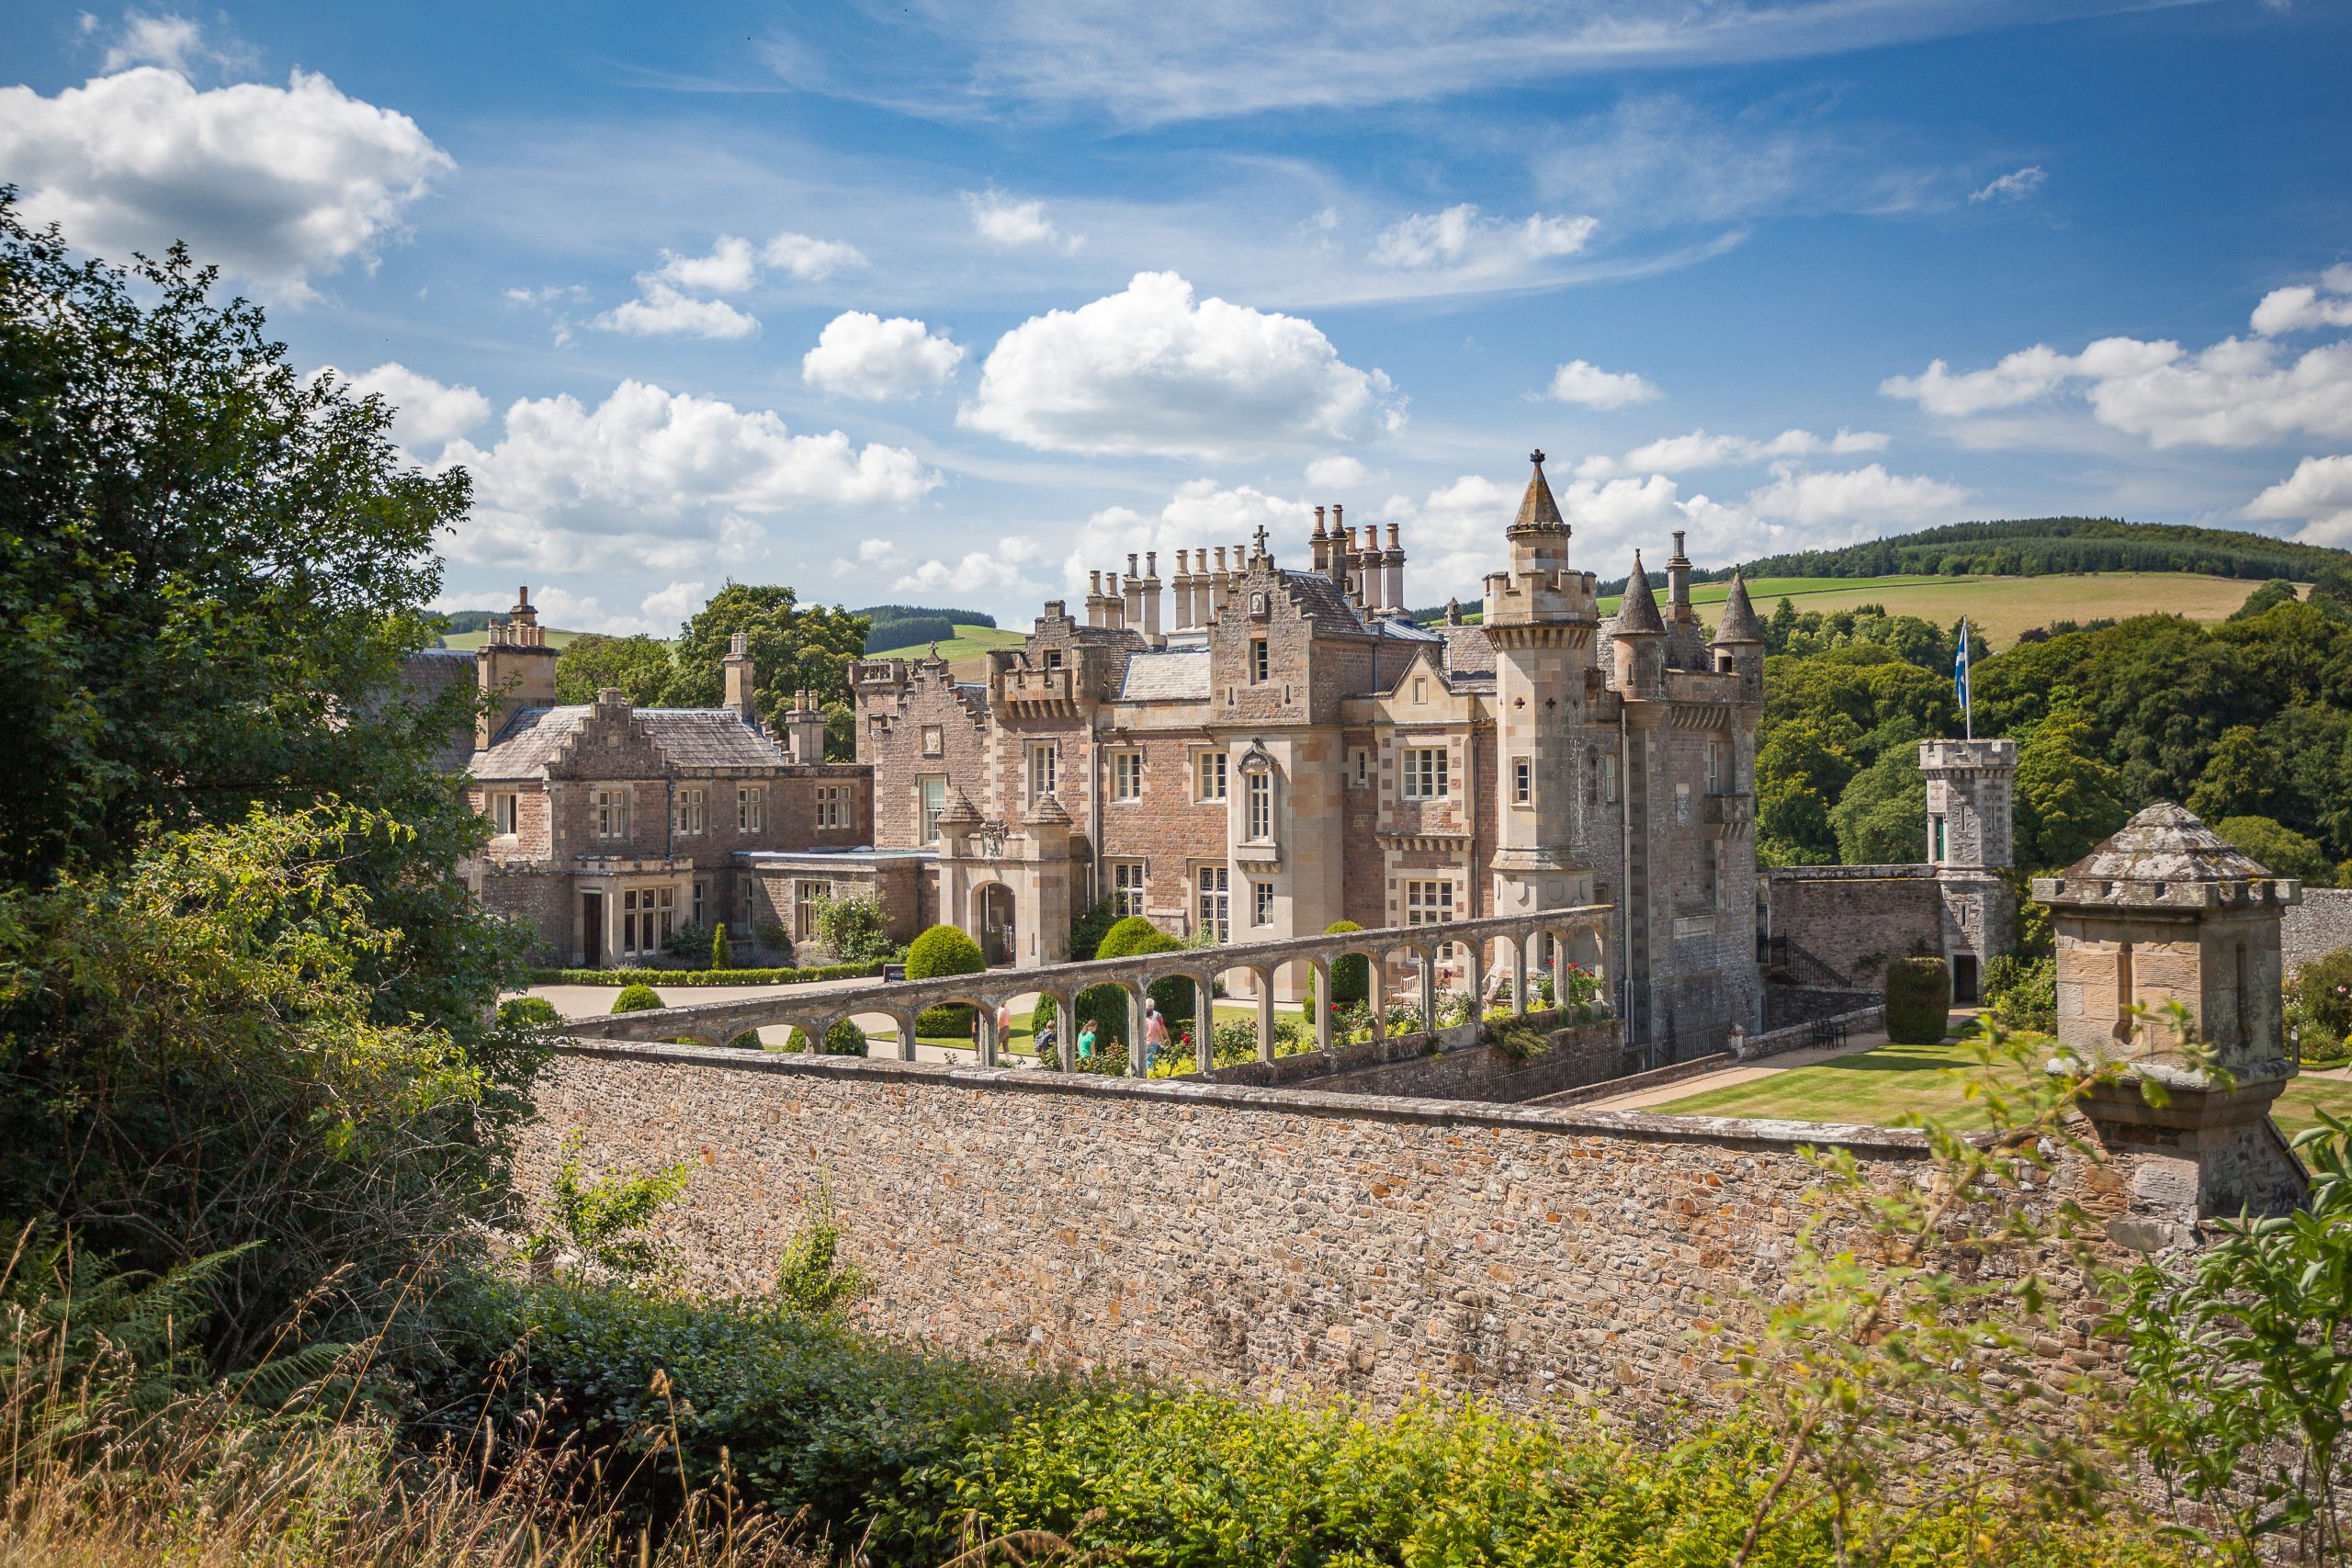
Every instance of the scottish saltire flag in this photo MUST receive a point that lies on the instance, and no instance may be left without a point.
(1960, 680)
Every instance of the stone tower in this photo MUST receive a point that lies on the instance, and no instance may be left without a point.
(1540, 618)
(2166, 911)
(1970, 840)
(514, 668)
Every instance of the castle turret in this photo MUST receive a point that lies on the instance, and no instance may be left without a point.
(514, 668)
(1968, 839)
(1639, 634)
(1739, 642)
(2167, 912)
(1540, 621)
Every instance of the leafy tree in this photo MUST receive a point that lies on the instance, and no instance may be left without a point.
(794, 648)
(2277, 590)
(1882, 816)
(210, 570)
(197, 1056)
(604, 1221)
(1802, 766)
(639, 666)
(2283, 851)
(2068, 799)
(2245, 776)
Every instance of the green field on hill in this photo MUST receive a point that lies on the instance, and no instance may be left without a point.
(2000, 608)
(969, 643)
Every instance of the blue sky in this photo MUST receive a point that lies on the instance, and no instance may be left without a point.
(950, 302)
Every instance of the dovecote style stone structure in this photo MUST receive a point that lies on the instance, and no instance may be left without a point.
(2167, 912)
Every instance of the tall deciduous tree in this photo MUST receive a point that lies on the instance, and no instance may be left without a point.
(2068, 799)
(639, 666)
(1882, 816)
(209, 568)
(793, 648)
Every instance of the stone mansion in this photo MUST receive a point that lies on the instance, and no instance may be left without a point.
(1246, 748)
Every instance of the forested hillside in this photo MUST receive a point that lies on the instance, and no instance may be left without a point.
(903, 626)
(2036, 546)
(2247, 723)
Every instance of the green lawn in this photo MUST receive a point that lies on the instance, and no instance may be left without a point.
(969, 642)
(2000, 607)
(1874, 1087)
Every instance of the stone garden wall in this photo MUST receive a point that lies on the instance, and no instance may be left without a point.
(1249, 1236)
(2320, 924)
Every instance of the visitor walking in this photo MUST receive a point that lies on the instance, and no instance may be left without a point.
(1154, 1034)
(1086, 1039)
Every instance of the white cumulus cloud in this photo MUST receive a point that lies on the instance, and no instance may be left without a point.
(673, 605)
(1462, 239)
(660, 310)
(1017, 225)
(1674, 453)
(426, 412)
(1867, 498)
(2237, 392)
(811, 261)
(728, 269)
(2014, 187)
(993, 577)
(2303, 308)
(859, 355)
(657, 478)
(1589, 385)
(1153, 370)
(277, 185)
(2318, 494)
(1334, 472)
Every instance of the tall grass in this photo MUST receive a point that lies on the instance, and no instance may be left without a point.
(116, 1451)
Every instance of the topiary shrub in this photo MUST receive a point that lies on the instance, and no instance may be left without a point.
(939, 951)
(528, 1012)
(1351, 976)
(1107, 1005)
(1918, 999)
(638, 999)
(722, 951)
(845, 1039)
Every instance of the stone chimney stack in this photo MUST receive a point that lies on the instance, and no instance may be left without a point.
(1678, 583)
(1338, 565)
(738, 669)
(1094, 598)
(1134, 617)
(514, 669)
(1151, 595)
(1318, 543)
(804, 728)
(1212, 582)
(1114, 606)
(1392, 569)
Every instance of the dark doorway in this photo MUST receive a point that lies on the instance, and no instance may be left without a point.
(1963, 980)
(591, 929)
(995, 911)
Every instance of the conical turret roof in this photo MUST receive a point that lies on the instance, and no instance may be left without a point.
(1638, 613)
(1049, 810)
(959, 809)
(1536, 508)
(1739, 624)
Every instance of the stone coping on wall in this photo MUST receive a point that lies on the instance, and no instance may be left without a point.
(1923, 869)
(1727, 1131)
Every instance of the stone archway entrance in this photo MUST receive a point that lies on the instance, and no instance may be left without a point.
(992, 920)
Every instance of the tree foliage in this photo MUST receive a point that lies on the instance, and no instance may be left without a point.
(792, 647)
(639, 666)
(211, 569)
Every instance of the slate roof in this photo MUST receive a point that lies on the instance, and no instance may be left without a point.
(1324, 601)
(1637, 611)
(426, 675)
(1167, 677)
(2167, 843)
(1739, 624)
(1468, 651)
(692, 738)
(1536, 508)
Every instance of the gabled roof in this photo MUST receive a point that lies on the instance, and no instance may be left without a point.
(1739, 624)
(1637, 611)
(1468, 651)
(1171, 676)
(689, 739)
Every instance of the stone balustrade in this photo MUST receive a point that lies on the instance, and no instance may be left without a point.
(1575, 939)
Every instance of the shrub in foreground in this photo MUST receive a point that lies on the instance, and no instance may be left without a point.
(943, 951)
(638, 999)
(1918, 1001)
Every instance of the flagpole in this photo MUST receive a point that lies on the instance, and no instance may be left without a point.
(1967, 684)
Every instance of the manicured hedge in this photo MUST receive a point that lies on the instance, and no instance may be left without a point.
(1918, 1001)
(703, 976)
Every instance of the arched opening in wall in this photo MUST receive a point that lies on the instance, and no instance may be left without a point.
(1963, 978)
(992, 910)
